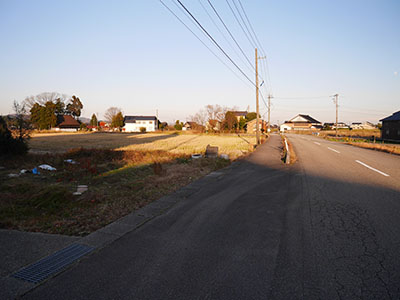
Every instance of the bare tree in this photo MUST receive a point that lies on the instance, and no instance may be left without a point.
(200, 117)
(111, 113)
(45, 97)
(216, 112)
(21, 121)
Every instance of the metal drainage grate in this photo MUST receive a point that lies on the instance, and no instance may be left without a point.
(52, 264)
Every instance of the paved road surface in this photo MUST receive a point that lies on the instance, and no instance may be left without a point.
(326, 228)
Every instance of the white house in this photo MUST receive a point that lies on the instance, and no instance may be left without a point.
(134, 123)
(301, 122)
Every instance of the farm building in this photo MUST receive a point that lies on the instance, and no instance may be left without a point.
(134, 123)
(67, 123)
(301, 122)
(391, 127)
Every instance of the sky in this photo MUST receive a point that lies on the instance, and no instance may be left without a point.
(137, 56)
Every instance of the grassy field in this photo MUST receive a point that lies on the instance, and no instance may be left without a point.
(123, 172)
(234, 146)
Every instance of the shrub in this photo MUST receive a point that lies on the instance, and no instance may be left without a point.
(9, 144)
(142, 129)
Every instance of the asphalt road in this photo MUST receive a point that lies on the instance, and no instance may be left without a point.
(326, 228)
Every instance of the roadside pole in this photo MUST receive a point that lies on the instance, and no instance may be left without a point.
(257, 105)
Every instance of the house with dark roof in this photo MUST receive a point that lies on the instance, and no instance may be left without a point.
(67, 123)
(391, 127)
(134, 123)
(301, 122)
(239, 114)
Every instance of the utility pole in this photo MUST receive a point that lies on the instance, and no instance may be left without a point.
(269, 112)
(337, 106)
(257, 105)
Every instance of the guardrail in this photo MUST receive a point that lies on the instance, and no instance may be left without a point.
(287, 158)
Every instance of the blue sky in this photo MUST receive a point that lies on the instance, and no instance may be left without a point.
(137, 56)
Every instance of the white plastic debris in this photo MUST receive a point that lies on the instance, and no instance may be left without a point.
(224, 156)
(70, 161)
(195, 156)
(47, 167)
(11, 175)
(23, 171)
(80, 190)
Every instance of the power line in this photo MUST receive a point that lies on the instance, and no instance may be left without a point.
(231, 35)
(213, 40)
(223, 35)
(240, 15)
(240, 24)
(251, 27)
(264, 64)
(294, 98)
(201, 41)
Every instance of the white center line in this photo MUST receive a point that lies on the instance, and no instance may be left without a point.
(371, 168)
(317, 143)
(334, 150)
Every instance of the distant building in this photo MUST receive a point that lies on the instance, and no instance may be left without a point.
(391, 127)
(239, 114)
(365, 125)
(341, 125)
(252, 125)
(213, 125)
(67, 123)
(134, 123)
(301, 122)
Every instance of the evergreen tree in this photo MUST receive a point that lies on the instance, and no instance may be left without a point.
(93, 121)
(118, 121)
(75, 106)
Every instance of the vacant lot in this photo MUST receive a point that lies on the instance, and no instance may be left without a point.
(123, 172)
(234, 146)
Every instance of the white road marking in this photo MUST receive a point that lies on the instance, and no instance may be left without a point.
(317, 143)
(371, 168)
(334, 150)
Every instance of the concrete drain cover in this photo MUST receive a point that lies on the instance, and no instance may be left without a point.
(52, 264)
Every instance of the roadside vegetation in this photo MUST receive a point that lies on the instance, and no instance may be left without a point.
(122, 172)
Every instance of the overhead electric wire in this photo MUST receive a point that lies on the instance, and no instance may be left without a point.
(188, 28)
(240, 24)
(264, 63)
(213, 40)
(231, 35)
(251, 27)
(223, 35)
(245, 25)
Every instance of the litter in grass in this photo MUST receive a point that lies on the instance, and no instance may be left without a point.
(80, 190)
(23, 171)
(70, 161)
(211, 151)
(195, 156)
(47, 167)
(12, 175)
(35, 171)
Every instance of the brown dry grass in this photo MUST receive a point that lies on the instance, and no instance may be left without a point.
(123, 172)
(393, 149)
(234, 146)
(119, 182)
(353, 133)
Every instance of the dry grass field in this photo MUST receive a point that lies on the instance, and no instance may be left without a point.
(234, 146)
(123, 172)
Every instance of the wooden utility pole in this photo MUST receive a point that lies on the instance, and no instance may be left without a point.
(337, 106)
(257, 105)
(269, 113)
